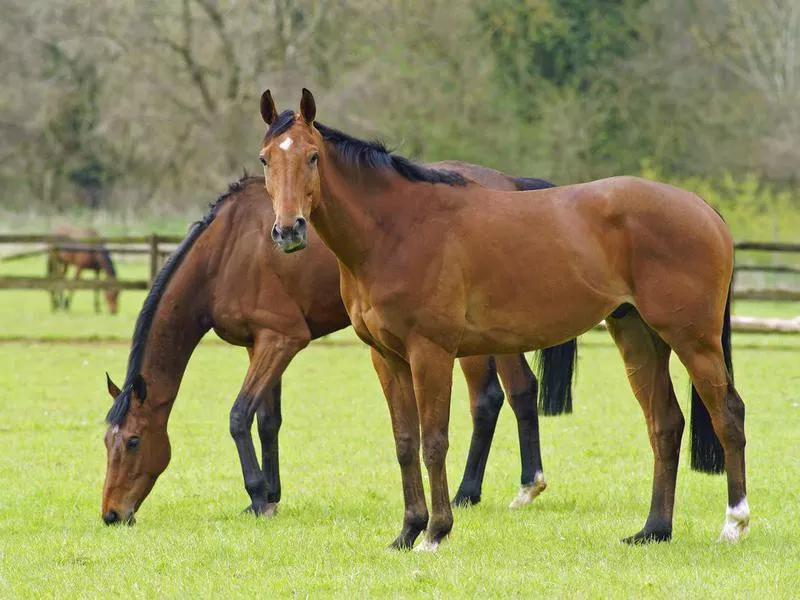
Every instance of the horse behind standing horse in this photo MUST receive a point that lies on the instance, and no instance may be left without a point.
(74, 251)
(434, 267)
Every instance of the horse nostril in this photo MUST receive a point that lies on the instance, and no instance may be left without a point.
(111, 517)
(300, 225)
(276, 233)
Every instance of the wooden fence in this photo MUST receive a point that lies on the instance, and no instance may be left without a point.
(156, 247)
(781, 294)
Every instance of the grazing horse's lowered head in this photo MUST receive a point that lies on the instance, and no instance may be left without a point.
(138, 450)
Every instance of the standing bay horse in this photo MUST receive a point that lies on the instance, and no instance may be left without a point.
(434, 267)
(228, 275)
(72, 250)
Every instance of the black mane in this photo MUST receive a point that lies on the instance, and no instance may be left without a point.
(109, 264)
(369, 155)
(279, 125)
(119, 410)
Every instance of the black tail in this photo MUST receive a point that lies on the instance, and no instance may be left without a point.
(555, 367)
(707, 453)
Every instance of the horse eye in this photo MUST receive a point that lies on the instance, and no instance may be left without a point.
(263, 160)
(313, 159)
(132, 443)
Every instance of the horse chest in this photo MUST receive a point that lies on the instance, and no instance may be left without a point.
(362, 317)
(369, 321)
(355, 305)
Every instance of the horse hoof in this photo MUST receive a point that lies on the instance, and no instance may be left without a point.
(737, 522)
(733, 533)
(266, 509)
(647, 536)
(529, 491)
(427, 545)
(465, 500)
(399, 544)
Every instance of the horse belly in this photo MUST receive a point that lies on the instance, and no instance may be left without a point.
(509, 330)
(517, 314)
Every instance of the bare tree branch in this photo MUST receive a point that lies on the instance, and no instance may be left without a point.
(228, 51)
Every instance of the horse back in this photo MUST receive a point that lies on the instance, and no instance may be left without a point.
(570, 255)
(258, 286)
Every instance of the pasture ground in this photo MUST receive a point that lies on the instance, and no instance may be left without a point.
(341, 488)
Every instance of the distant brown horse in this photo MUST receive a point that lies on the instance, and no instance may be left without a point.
(434, 267)
(228, 275)
(72, 251)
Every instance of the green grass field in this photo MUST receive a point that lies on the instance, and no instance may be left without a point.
(342, 501)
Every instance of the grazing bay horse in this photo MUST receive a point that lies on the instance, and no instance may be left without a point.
(434, 267)
(228, 275)
(73, 251)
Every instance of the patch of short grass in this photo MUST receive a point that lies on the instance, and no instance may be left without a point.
(341, 490)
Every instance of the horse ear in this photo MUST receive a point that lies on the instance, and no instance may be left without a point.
(268, 112)
(112, 387)
(139, 387)
(308, 108)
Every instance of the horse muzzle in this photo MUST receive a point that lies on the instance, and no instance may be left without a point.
(291, 239)
(112, 517)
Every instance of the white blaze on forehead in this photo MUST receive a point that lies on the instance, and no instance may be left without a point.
(286, 144)
(116, 429)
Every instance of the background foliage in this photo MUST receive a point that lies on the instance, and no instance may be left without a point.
(133, 105)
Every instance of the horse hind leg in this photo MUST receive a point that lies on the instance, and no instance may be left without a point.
(646, 358)
(522, 389)
(703, 358)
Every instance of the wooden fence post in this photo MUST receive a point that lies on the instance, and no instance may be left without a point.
(153, 258)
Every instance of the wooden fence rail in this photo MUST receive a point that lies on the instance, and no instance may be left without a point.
(766, 269)
(56, 284)
(149, 245)
(773, 294)
(48, 238)
(143, 250)
(767, 246)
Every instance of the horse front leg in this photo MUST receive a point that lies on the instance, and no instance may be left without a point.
(269, 358)
(432, 374)
(269, 424)
(395, 378)
(68, 296)
(485, 401)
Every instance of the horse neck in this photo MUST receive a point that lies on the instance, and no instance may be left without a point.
(179, 323)
(354, 210)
